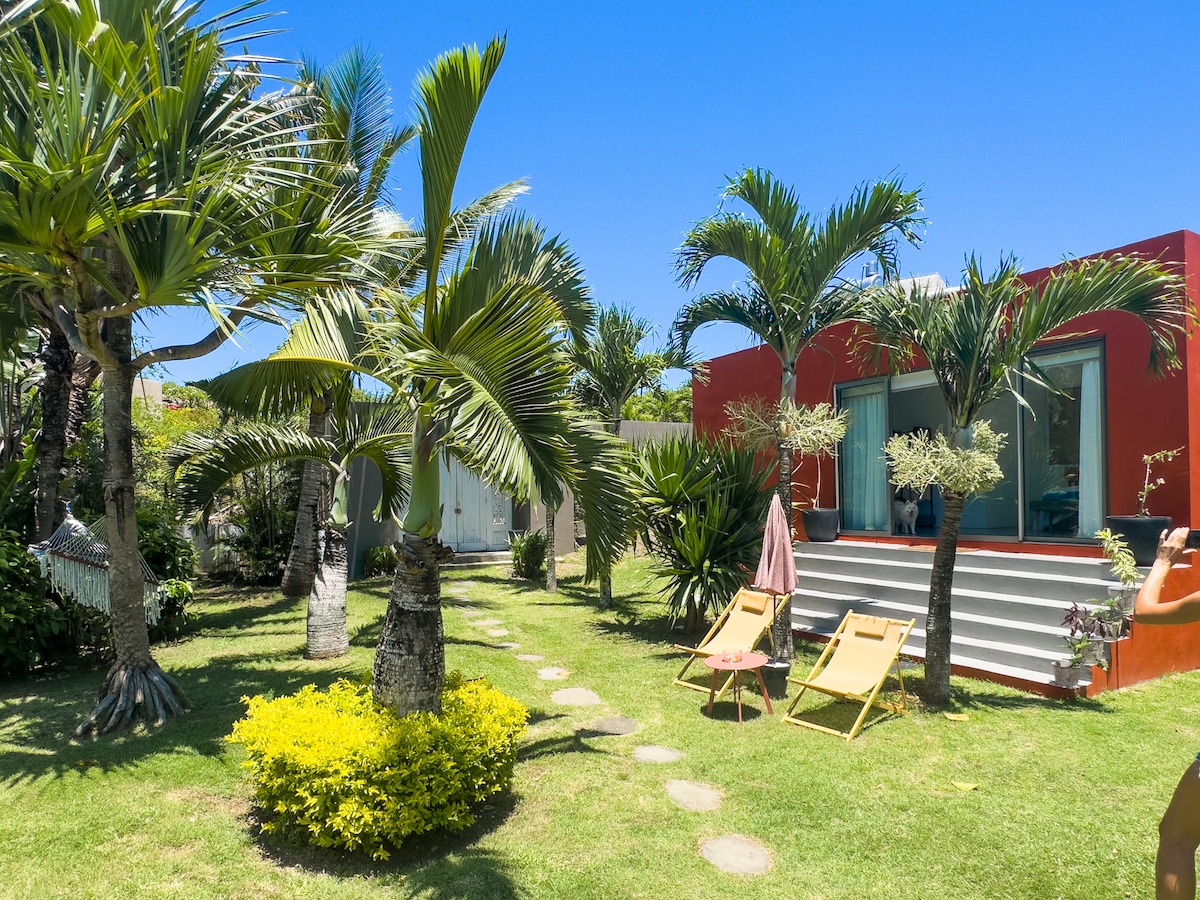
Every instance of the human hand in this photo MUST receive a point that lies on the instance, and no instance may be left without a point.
(1170, 546)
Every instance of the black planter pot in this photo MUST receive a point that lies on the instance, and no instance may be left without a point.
(1141, 534)
(820, 524)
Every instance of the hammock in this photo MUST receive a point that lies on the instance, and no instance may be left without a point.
(75, 559)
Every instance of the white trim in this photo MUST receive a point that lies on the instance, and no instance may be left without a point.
(912, 380)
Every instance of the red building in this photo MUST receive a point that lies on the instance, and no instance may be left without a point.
(1070, 462)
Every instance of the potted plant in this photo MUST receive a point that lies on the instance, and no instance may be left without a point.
(1091, 627)
(1142, 530)
(1083, 655)
(812, 431)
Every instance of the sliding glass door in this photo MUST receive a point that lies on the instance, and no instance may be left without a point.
(864, 495)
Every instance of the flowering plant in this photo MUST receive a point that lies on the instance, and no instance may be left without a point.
(1149, 485)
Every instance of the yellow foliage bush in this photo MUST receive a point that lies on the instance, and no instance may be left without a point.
(339, 770)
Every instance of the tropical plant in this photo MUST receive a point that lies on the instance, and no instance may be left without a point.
(1149, 485)
(796, 285)
(482, 354)
(143, 167)
(977, 340)
(662, 405)
(613, 369)
(380, 560)
(206, 463)
(528, 550)
(702, 504)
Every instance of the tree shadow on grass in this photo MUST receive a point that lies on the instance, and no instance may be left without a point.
(437, 866)
(38, 715)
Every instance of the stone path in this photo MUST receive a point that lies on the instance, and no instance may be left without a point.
(530, 657)
(651, 753)
(615, 725)
(736, 855)
(552, 674)
(508, 645)
(692, 796)
(486, 623)
(576, 697)
(497, 632)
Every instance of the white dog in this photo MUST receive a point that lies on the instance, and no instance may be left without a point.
(905, 512)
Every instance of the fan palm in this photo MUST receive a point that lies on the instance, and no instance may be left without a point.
(483, 356)
(977, 339)
(142, 168)
(796, 285)
(613, 369)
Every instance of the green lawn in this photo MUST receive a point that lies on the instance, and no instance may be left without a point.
(1067, 802)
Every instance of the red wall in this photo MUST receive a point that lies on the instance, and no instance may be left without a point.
(1143, 416)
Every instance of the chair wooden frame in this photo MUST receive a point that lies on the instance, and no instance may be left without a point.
(749, 615)
(854, 666)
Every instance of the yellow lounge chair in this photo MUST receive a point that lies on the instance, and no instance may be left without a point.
(854, 666)
(749, 615)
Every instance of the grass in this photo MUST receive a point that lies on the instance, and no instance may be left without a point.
(1067, 802)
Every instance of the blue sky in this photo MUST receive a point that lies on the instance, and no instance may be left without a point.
(1041, 129)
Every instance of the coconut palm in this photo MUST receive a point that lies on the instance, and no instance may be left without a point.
(141, 167)
(977, 339)
(482, 352)
(613, 369)
(796, 286)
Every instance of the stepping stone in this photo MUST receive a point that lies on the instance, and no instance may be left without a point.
(552, 674)
(693, 796)
(530, 657)
(615, 725)
(576, 697)
(653, 754)
(497, 632)
(508, 645)
(465, 585)
(736, 855)
(472, 613)
(486, 623)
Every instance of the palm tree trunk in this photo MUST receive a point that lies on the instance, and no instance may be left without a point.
(84, 373)
(135, 686)
(937, 623)
(781, 632)
(55, 392)
(302, 562)
(327, 634)
(606, 595)
(410, 661)
(551, 565)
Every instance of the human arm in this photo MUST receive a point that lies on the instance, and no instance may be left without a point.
(1150, 608)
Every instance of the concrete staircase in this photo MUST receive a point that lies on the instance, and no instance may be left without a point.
(1007, 610)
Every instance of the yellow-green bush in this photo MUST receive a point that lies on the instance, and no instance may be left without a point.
(343, 772)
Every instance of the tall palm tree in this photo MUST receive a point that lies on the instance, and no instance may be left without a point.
(977, 338)
(613, 369)
(796, 285)
(141, 167)
(482, 353)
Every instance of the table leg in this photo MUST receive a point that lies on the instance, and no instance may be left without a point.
(737, 694)
(712, 691)
(762, 684)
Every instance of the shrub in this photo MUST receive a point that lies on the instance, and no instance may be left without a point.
(379, 560)
(167, 552)
(173, 613)
(704, 506)
(528, 550)
(338, 770)
(29, 623)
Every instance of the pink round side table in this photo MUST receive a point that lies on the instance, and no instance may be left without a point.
(737, 661)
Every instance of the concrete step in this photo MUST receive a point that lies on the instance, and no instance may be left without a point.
(474, 559)
(1068, 566)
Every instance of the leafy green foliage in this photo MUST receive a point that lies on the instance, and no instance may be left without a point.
(342, 772)
(1152, 484)
(528, 550)
(28, 622)
(663, 405)
(166, 551)
(704, 505)
(177, 594)
(379, 560)
(920, 460)
(263, 517)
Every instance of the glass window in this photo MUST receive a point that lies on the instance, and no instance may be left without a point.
(863, 473)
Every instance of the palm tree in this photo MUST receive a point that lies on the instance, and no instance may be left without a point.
(314, 364)
(142, 168)
(977, 339)
(796, 285)
(612, 370)
(482, 354)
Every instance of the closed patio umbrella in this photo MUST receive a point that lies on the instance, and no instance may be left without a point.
(777, 574)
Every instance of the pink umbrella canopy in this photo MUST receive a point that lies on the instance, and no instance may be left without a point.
(777, 567)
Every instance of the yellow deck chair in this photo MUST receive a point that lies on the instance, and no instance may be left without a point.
(854, 666)
(749, 615)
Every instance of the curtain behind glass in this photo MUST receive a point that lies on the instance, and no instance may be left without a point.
(1090, 489)
(864, 474)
